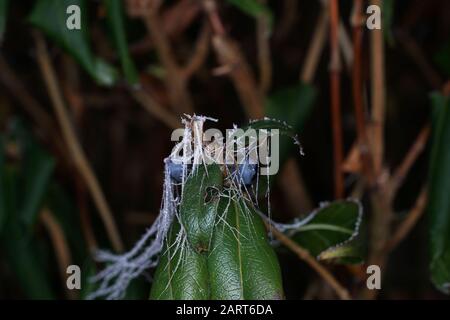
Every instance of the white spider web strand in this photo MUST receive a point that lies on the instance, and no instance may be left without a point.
(121, 269)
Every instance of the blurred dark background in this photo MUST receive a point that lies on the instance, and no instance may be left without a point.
(126, 144)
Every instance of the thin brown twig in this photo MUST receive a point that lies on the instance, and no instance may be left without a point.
(175, 20)
(408, 161)
(154, 108)
(241, 75)
(378, 95)
(357, 21)
(265, 62)
(335, 67)
(304, 255)
(62, 250)
(45, 122)
(244, 81)
(200, 54)
(79, 158)
(316, 46)
(380, 196)
(76, 101)
(11, 81)
(409, 222)
(211, 9)
(345, 44)
(36, 111)
(179, 96)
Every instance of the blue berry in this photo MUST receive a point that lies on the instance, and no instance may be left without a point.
(246, 173)
(175, 170)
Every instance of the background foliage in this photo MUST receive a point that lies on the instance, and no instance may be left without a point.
(137, 65)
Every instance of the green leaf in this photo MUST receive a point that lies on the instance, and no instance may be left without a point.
(182, 273)
(267, 124)
(241, 263)
(442, 58)
(199, 205)
(38, 169)
(23, 185)
(50, 16)
(349, 253)
(25, 259)
(387, 20)
(288, 110)
(3, 17)
(115, 14)
(33, 174)
(439, 201)
(68, 216)
(328, 228)
(88, 271)
(20, 248)
(253, 8)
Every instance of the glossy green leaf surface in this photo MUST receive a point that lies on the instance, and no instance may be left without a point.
(348, 253)
(182, 273)
(439, 200)
(199, 206)
(242, 264)
(222, 250)
(23, 187)
(38, 170)
(51, 16)
(329, 227)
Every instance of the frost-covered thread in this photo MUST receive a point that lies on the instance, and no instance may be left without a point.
(189, 153)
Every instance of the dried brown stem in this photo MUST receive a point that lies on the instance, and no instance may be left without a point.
(409, 160)
(79, 158)
(236, 66)
(304, 255)
(31, 106)
(380, 197)
(10, 80)
(175, 20)
(62, 250)
(345, 44)
(335, 67)
(155, 109)
(210, 8)
(316, 46)
(409, 222)
(176, 84)
(378, 95)
(241, 74)
(357, 89)
(200, 54)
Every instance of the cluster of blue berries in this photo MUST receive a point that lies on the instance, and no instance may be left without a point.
(245, 174)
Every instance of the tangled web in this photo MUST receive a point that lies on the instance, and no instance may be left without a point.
(184, 160)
